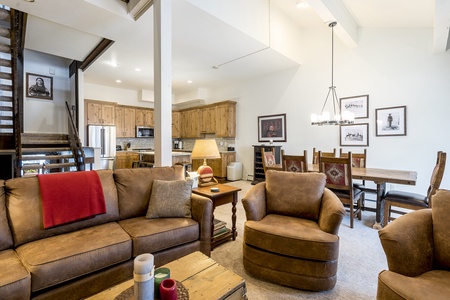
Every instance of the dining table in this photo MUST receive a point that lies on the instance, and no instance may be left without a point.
(380, 177)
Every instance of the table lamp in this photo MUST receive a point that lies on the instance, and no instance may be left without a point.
(205, 149)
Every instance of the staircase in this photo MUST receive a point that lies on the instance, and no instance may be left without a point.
(6, 78)
(46, 153)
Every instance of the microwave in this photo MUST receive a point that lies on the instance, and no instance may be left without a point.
(144, 131)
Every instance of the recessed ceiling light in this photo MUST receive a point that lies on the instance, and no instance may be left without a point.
(113, 63)
(189, 81)
(301, 4)
(119, 81)
(137, 69)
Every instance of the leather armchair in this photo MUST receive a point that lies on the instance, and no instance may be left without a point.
(417, 247)
(290, 236)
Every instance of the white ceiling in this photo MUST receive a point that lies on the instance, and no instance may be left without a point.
(72, 28)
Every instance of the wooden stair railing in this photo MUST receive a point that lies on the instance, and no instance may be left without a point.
(75, 143)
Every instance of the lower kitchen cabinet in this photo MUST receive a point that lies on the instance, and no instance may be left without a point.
(125, 159)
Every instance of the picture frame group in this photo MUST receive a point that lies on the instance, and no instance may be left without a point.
(272, 128)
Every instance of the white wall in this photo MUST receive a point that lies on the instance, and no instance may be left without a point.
(40, 115)
(394, 66)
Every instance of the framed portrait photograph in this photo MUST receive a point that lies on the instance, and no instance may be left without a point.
(391, 121)
(39, 86)
(272, 128)
(358, 105)
(354, 135)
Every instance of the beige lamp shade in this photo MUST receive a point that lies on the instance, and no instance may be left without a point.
(205, 149)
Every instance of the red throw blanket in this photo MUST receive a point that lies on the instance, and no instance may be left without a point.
(70, 196)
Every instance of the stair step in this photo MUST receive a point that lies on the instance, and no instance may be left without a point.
(31, 166)
(46, 157)
(6, 126)
(6, 108)
(6, 118)
(45, 142)
(5, 48)
(6, 87)
(5, 75)
(4, 14)
(61, 165)
(4, 31)
(44, 136)
(5, 63)
(45, 150)
(6, 99)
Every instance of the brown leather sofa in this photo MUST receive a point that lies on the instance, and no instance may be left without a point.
(417, 247)
(81, 258)
(290, 236)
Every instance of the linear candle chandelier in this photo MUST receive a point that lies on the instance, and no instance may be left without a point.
(324, 117)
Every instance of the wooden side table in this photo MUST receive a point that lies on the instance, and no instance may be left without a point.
(226, 194)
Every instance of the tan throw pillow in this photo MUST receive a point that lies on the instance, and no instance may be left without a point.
(170, 199)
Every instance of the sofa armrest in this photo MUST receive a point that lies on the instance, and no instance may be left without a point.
(408, 243)
(332, 212)
(202, 212)
(254, 202)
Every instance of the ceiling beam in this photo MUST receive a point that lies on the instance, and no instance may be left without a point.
(334, 10)
(441, 39)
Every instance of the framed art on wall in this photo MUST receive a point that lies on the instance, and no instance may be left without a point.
(272, 128)
(391, 121)
(354, 135)
(358, 105)
(39, 86)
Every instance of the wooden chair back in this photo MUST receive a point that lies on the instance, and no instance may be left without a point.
(436, 176)
(295, 163)
(315, 159)
(269, 160)
(359, 160)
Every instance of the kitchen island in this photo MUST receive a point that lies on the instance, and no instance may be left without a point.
(177, 157)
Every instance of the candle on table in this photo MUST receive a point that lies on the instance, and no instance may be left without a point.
(160, 275)
(168, 289)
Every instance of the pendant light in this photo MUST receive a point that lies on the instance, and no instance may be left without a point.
(337, 119)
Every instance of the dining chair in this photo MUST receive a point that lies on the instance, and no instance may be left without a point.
(413, 201)
(295, 163)
(269, 160)
(315, 159)
(338, 172)
(359, 160)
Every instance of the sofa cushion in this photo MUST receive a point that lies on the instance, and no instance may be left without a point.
(15, 281)
(63, 257)
(23, 196)
(6, 240)
(153, 235)
(134, 187)
(170, 199)
(430, 285)
(294, 194)
(286, 235)
(441, 232)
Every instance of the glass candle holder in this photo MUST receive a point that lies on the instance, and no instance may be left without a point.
(160, 275)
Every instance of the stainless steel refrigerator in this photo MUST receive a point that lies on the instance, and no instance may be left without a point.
(105, 138)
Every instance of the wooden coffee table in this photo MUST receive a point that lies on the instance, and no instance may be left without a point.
(226, 194)
(203, 278)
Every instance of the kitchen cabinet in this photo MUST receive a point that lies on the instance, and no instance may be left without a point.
(125, 121)
(190, 123)
(99, 113)
(208, 119)
(219, 165)
(226, 119)
(125, 159)
(144, 117)
(176, 122)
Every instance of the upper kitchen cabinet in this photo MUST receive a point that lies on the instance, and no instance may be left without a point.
(98, 113)
(190, 123)
(208, 119)
(125, 121)
(226, 119)
(144, 117)
(176, 120)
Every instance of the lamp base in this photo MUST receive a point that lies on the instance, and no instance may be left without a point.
(205, 176)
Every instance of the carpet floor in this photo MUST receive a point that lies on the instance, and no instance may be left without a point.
(361, 258)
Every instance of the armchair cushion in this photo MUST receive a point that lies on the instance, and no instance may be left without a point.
(294, 194)
(441, 232)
